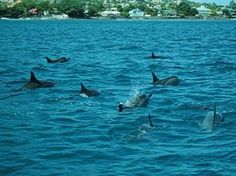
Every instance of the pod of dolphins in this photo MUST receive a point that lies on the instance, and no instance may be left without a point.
(140, 100)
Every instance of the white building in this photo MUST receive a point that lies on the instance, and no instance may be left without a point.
(178, 2)
(203, 11)
(110, 13)
(136, 13)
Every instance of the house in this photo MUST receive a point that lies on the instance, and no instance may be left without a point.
(136, 13)
(33, 11)
(110, 13)
(233, 13)
(178, 2)
(203, 11)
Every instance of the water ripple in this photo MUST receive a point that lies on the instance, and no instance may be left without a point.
(56, 132)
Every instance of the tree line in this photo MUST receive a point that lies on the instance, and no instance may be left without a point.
(74, 8)
(86, 9)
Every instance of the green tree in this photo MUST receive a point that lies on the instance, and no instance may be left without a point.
(17, 11)
(44, 6)
(184, 9)
(120, 8)
(92, 11)
(94, 8)
(28, 4)
(173, 5)
(125, 12)
(150, 11)
(130, 7)
(76, 12)
(226, 12)
(4, 12)
(232, 5)
(194, 12)
(73, 8)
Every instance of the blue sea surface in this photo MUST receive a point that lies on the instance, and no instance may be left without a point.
(54, 131)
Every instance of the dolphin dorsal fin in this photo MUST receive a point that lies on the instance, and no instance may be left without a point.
(154, 78)
(150, 120)
(83, 88)
(33, 78)
(48, 59)
(153, 55)
(214, 111)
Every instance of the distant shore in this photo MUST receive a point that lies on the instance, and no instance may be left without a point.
(117, 18)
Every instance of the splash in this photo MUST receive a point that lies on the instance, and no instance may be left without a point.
(133, 97)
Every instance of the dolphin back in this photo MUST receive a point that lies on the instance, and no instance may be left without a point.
(33, 78)
(48, 60)
(82, 88)
(140, 100)
(212, 119)
(172, 81)
(35, 83)
(145, 99)
(59, 60)
(153, 56)
(88, 92)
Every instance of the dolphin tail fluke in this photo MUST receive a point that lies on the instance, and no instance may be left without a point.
(33, 78)
(154, 78)
(150, 120)
(48, 59)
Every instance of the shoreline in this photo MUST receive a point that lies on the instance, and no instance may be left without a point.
(123, 19)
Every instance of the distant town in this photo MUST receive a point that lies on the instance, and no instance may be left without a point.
(148, 9)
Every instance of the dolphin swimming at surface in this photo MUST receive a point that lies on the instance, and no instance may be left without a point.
(35, 83)
(150, 124)
(153, 56)
(85, 92)
(169, 81)
(139, 100)
(212, 119)
(59, 60)
(150, 120)
(146, 127)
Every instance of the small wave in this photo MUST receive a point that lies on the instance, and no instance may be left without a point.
(64, 120)
(57, 155)
(131, 47)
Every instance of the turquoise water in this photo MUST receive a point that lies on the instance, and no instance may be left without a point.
(54, 131)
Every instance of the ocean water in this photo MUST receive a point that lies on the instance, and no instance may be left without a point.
(54, 131)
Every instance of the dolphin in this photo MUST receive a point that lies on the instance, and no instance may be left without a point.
(153, 56)
(212, 119)
(169, 81)
(140, 100)
(146, 127)
(85, 92)
(35, 83)
(59, 60)
(150, 121)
